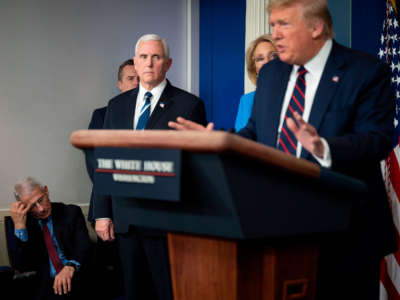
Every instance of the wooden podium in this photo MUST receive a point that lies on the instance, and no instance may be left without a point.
(248, 219)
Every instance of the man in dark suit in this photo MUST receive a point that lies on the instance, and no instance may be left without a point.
(107, 257)
(144, 252)
(51, 239)
(345, 124)
(127, 80)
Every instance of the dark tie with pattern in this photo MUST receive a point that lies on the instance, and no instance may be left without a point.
(51, 248)
(287, 140)
(144, 112)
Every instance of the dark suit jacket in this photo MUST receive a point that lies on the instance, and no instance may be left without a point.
(96, 122)
(71, 234)
(353, 110)
(120, 113)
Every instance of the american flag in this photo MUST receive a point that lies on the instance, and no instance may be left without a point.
(389, 52)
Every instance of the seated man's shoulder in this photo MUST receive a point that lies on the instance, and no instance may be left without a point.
(67, 209)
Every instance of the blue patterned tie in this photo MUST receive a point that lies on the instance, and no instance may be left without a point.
(287, 140)
(144, 112)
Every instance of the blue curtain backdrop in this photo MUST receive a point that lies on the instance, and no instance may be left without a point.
(222, 36)
(367, 18)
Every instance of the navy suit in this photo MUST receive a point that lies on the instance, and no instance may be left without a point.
(96, 122)
(72, 236)
(144, 252)
(353, 110)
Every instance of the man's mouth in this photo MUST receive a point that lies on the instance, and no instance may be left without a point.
(280, 48)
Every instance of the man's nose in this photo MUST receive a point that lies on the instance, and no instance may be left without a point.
(275, 33)
(39, 207)
(149, 61)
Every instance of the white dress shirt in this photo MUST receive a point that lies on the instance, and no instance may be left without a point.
(156, 92)
(314, 68)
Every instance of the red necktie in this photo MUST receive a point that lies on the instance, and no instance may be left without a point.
(51, 248)
(287, 140)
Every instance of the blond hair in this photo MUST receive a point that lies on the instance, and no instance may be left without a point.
(251, 66)
(311, 10)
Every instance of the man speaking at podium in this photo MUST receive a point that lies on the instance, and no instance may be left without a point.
(334, 106)
(144, 252)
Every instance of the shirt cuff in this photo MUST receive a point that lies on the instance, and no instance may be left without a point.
(21, 234)
(326, 160)
(75, 263)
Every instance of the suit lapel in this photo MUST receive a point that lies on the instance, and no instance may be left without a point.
(277, 93)
(56, 225)
(163, 104)
(128, 113)
(329, 82)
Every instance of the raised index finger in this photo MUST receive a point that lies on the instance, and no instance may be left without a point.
(189, 124)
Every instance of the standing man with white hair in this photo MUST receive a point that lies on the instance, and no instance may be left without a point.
(144, 252)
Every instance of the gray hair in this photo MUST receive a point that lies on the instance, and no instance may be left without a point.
(153, 37)
(25, 186)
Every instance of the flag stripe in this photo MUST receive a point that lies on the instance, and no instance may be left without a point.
(394, 172)
(389, 52)
(391, 267)
(392, 293)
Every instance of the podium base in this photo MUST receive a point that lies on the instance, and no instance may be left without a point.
(218, 269)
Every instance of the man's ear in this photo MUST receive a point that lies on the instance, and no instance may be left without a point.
(317, 28)
(169, 63)
(119, 85)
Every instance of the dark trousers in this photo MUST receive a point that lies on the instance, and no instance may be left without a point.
(145, 264)
(347, 271)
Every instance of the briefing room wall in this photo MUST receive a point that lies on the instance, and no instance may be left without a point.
(58, 62)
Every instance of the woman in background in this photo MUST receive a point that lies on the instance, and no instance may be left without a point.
(260, 51)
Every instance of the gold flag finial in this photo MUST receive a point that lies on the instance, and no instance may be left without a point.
(394, 5)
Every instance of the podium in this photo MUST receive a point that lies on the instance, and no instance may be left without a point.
(244, 220)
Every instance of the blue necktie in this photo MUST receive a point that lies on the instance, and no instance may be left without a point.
(144, 112)
(287, 141)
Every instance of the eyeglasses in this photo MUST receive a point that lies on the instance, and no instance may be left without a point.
(34, 204)
(271, 56)
(38, 201)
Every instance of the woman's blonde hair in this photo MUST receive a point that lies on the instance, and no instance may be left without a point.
(251, 66)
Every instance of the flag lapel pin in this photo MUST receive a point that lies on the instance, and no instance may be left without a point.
(335, 79)
(162, 104)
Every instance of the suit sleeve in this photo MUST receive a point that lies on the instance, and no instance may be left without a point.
(96, 122)
(198, 113)
(371, 128)
(80, 241)
(102, 207)
(249, 130)
(25, 256)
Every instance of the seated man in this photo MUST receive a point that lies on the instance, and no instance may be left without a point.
(51, 239)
